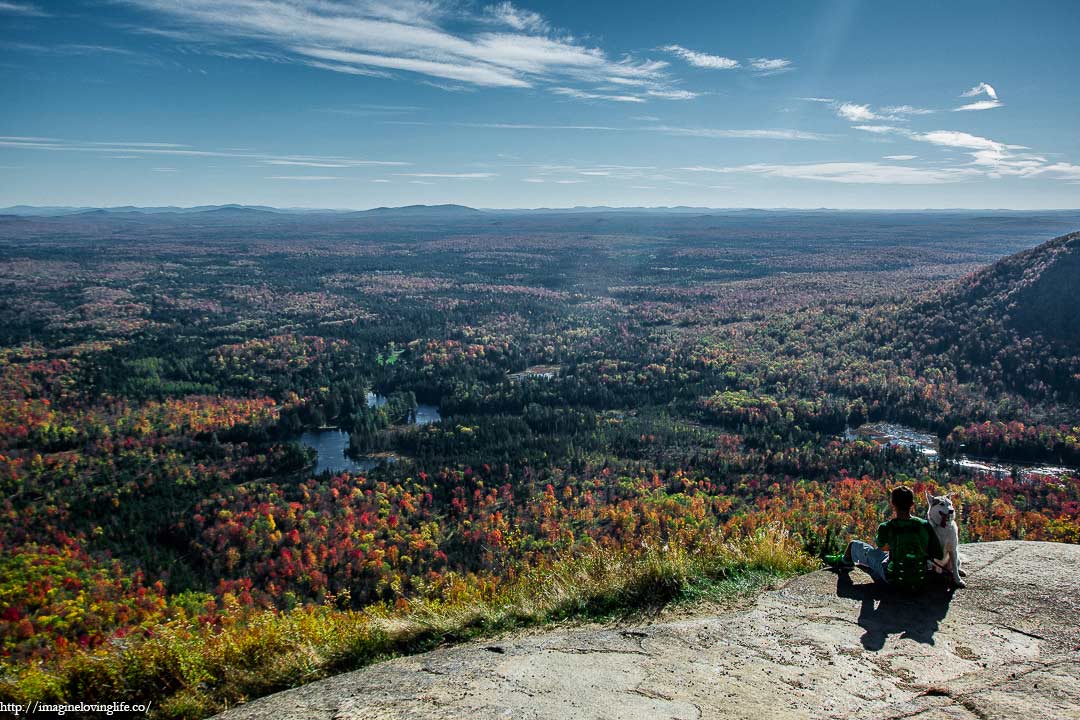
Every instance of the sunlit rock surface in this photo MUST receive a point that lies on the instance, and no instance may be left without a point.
(822, 646)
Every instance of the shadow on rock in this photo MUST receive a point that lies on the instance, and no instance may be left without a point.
(887, 611)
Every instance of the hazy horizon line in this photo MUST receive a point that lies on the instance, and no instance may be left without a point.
(316, 208)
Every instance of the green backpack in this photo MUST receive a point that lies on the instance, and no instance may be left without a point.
(908, 550)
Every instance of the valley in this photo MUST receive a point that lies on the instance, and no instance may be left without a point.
(249, 427)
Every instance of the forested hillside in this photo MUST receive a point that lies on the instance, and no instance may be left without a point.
(1014, 325)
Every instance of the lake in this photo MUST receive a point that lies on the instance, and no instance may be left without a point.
(332, 444)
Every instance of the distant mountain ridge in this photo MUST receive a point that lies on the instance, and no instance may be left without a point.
(62, 210)
(422, 211)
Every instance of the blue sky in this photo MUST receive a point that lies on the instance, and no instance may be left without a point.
(338, 103)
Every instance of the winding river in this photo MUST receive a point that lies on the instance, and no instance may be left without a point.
(927, 444)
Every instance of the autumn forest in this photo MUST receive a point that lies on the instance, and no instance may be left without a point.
(506, 393)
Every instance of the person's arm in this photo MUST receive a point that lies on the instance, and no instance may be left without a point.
(933, 545)
(882, 539)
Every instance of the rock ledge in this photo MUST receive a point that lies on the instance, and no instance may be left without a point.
(822, 646)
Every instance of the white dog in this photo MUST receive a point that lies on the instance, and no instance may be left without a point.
(942, 516)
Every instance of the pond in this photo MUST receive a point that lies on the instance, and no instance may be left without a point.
(426, 414)
(423, 415)
(927, 444)
(331, 445)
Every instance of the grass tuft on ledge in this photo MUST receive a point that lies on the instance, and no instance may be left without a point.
(192, 670)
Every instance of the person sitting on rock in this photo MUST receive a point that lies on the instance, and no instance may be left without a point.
(904, 544)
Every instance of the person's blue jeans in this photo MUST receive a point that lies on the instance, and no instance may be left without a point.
(870, 558)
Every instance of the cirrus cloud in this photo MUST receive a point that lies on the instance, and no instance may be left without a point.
(19, 8)
(982, 88)
(771, 66)
(700, 59)
(855, 173)
(498, 46)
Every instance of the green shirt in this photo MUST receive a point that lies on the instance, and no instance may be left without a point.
(911, 542)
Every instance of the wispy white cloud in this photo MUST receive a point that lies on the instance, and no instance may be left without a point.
(957, 139)
(457, 176)
(585, 95)
(139, 144)
(347, 69)
(19, 8)
(980, 105)
(982, 88)
(702, 60)
(305, 163)
(618, 172)
(743, 134)
(877, 129)
(537, 126)
(27, 139)
(673, 94)
(945, 138)
(989, 158)
(67, 49)
(901, 110)
(770, 66)
(626, 82)
(856, 113)
(517, 18)
(371, 110)
(332, 164)
(501, 45)
(979, 89)
(900, 157)
(1062, 170)
(863, 113)
(352, 62)
(151, 149)
(355, 62)
(996, 158)
(171, 34)
(304, 178)
(860, 173)
(717, 133)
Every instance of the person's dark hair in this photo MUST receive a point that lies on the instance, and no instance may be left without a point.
(903, 498)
